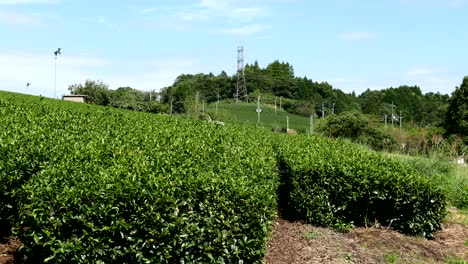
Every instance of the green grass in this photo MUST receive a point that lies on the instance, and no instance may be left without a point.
(244, 113)
(452, 178)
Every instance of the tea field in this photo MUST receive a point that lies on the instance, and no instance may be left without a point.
(90, 184)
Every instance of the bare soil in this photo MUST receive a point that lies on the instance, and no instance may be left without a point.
(296, 242)
(8, 248)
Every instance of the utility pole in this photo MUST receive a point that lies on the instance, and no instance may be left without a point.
(323, 109)
(196, 103)
(57, 53)
(312, 123)
(171, 106)
(287, 124)
(393, 111)
(217, 102)
(275, 106)
(401, 117)
(385, 119)
(333, 108)
(258, 111)
(150, 95)
(241, 86)
(203, 107)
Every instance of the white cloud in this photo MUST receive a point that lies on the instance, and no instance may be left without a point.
(452, 3)
(234, 11)
(9, 17)
(148, 10)
(422, 71)
(103, 21)
(18, 2)
(18, 68)
(215, 4)
(247, 30)
(356, 35)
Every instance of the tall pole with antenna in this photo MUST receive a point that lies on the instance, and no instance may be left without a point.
(56, 53)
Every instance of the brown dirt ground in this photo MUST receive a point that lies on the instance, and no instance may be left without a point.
(8, 248)
(295, 242)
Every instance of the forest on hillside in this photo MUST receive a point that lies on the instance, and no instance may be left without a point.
(299, 95)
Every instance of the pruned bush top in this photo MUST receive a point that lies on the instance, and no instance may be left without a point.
(101, 185)
(336, 183)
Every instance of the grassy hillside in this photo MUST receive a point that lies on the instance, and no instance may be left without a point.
(245, 113)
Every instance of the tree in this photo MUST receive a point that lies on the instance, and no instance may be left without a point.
(97, 92)
(456, 121)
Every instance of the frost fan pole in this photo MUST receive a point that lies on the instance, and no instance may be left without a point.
(57, 52)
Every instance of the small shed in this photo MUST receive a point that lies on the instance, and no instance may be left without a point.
(81, 98)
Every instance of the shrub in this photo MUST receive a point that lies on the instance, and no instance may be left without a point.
(336, 183)
(356, 127)
(115, 186)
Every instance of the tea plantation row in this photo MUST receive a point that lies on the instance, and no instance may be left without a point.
(85, 184)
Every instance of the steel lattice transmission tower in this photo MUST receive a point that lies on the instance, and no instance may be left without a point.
(241, 87)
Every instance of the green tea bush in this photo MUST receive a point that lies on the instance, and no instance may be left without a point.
(336, 183)
(115, 186)
(448, 176)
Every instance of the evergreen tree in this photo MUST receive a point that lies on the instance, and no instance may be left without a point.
(456, 121)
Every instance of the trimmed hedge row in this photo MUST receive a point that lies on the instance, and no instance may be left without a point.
(336, 183)
(99, 185)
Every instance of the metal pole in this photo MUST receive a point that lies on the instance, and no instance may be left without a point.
(171, 107)
(393, 112)
(55, 76)
(196, 103)
(311, 123)
(287, 124)
(400, 119)
(258, 111)
(217, 102)
(275, 105)
(323, 109)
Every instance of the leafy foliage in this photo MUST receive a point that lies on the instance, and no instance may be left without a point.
(336, 183)
(90, 184)
(355, 126)
(457, 112)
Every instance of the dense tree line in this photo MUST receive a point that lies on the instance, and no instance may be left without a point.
(300, 95)
(98, 93)
(276, 79)
(308, 96)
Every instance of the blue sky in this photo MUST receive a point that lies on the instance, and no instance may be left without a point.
(352, 44)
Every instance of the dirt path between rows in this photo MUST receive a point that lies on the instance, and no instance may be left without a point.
(295, 242)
